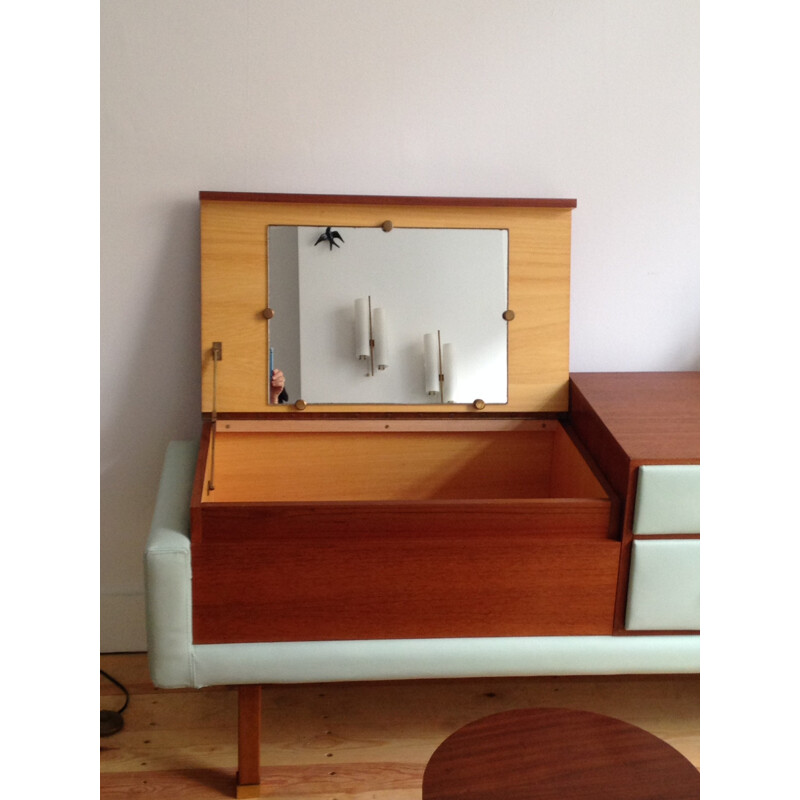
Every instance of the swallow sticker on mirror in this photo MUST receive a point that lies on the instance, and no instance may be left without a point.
(330, 237)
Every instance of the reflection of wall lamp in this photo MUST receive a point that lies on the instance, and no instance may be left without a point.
(371, 335)
(440, 368)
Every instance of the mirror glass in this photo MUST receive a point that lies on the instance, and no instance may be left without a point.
(431, 301)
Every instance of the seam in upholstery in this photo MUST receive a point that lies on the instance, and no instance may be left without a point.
(193, 666)
(158, 550)
(187, 561)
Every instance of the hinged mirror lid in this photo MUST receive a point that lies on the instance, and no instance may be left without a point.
(396, 304)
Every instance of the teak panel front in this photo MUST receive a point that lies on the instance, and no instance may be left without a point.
(233, 524)
(410, 584)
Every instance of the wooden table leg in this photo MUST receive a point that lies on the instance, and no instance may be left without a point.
(248, 778)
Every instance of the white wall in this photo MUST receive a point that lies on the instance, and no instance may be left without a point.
(589, 99)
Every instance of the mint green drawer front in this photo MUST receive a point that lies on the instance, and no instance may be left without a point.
(664, 587)
(667, 499)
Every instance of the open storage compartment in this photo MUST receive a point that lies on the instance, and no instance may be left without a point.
(400, 529)
(336, 522)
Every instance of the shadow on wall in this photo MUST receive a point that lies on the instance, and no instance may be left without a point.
(156, 399)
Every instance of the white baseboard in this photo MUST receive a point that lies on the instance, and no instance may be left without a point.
(122, 623)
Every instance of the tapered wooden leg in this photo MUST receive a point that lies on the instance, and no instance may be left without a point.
(248, 778)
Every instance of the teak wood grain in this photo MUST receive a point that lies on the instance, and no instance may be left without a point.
(637, 417)
(371, 200)
(248, 778)
(572, 519)
(560, 754)
(444, 582)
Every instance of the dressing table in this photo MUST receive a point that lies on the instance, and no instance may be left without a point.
(546, 525)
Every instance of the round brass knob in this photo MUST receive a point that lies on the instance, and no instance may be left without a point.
(387, 226)
(300, 405)
(479, 404)
(268, 313)
(508, 315)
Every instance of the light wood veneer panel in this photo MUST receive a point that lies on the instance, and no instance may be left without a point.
(234, 256)
(308, 467)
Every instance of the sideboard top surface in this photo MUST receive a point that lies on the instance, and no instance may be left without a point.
(653, 416)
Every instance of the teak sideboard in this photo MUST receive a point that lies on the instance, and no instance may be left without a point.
(555, 533)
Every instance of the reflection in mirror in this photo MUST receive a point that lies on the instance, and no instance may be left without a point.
(428, 303)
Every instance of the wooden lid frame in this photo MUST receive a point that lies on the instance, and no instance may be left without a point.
(234, 275)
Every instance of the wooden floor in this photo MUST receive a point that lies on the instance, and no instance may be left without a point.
(346, 741)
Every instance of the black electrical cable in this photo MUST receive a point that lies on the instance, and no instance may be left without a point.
(111, 721)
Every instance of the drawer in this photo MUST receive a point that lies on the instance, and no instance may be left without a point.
(664, 587)
(667, 499)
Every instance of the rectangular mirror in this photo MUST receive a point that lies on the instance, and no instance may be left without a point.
(355, 307)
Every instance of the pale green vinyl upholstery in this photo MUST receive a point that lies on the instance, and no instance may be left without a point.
(664, 587)
(667, 499)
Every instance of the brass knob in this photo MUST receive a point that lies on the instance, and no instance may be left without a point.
(479, 404)
(300, 405)
(268, 313)
(508, 315)
(387, 226)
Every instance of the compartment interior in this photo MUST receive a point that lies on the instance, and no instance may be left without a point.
(388, 461)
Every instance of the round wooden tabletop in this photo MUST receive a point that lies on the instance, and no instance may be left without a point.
(558, 754)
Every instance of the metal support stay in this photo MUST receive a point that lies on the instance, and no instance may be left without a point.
(216, 356)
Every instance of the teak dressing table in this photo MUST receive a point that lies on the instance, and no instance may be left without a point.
(332, 541)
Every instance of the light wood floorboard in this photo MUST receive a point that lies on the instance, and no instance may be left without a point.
(347, 741)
